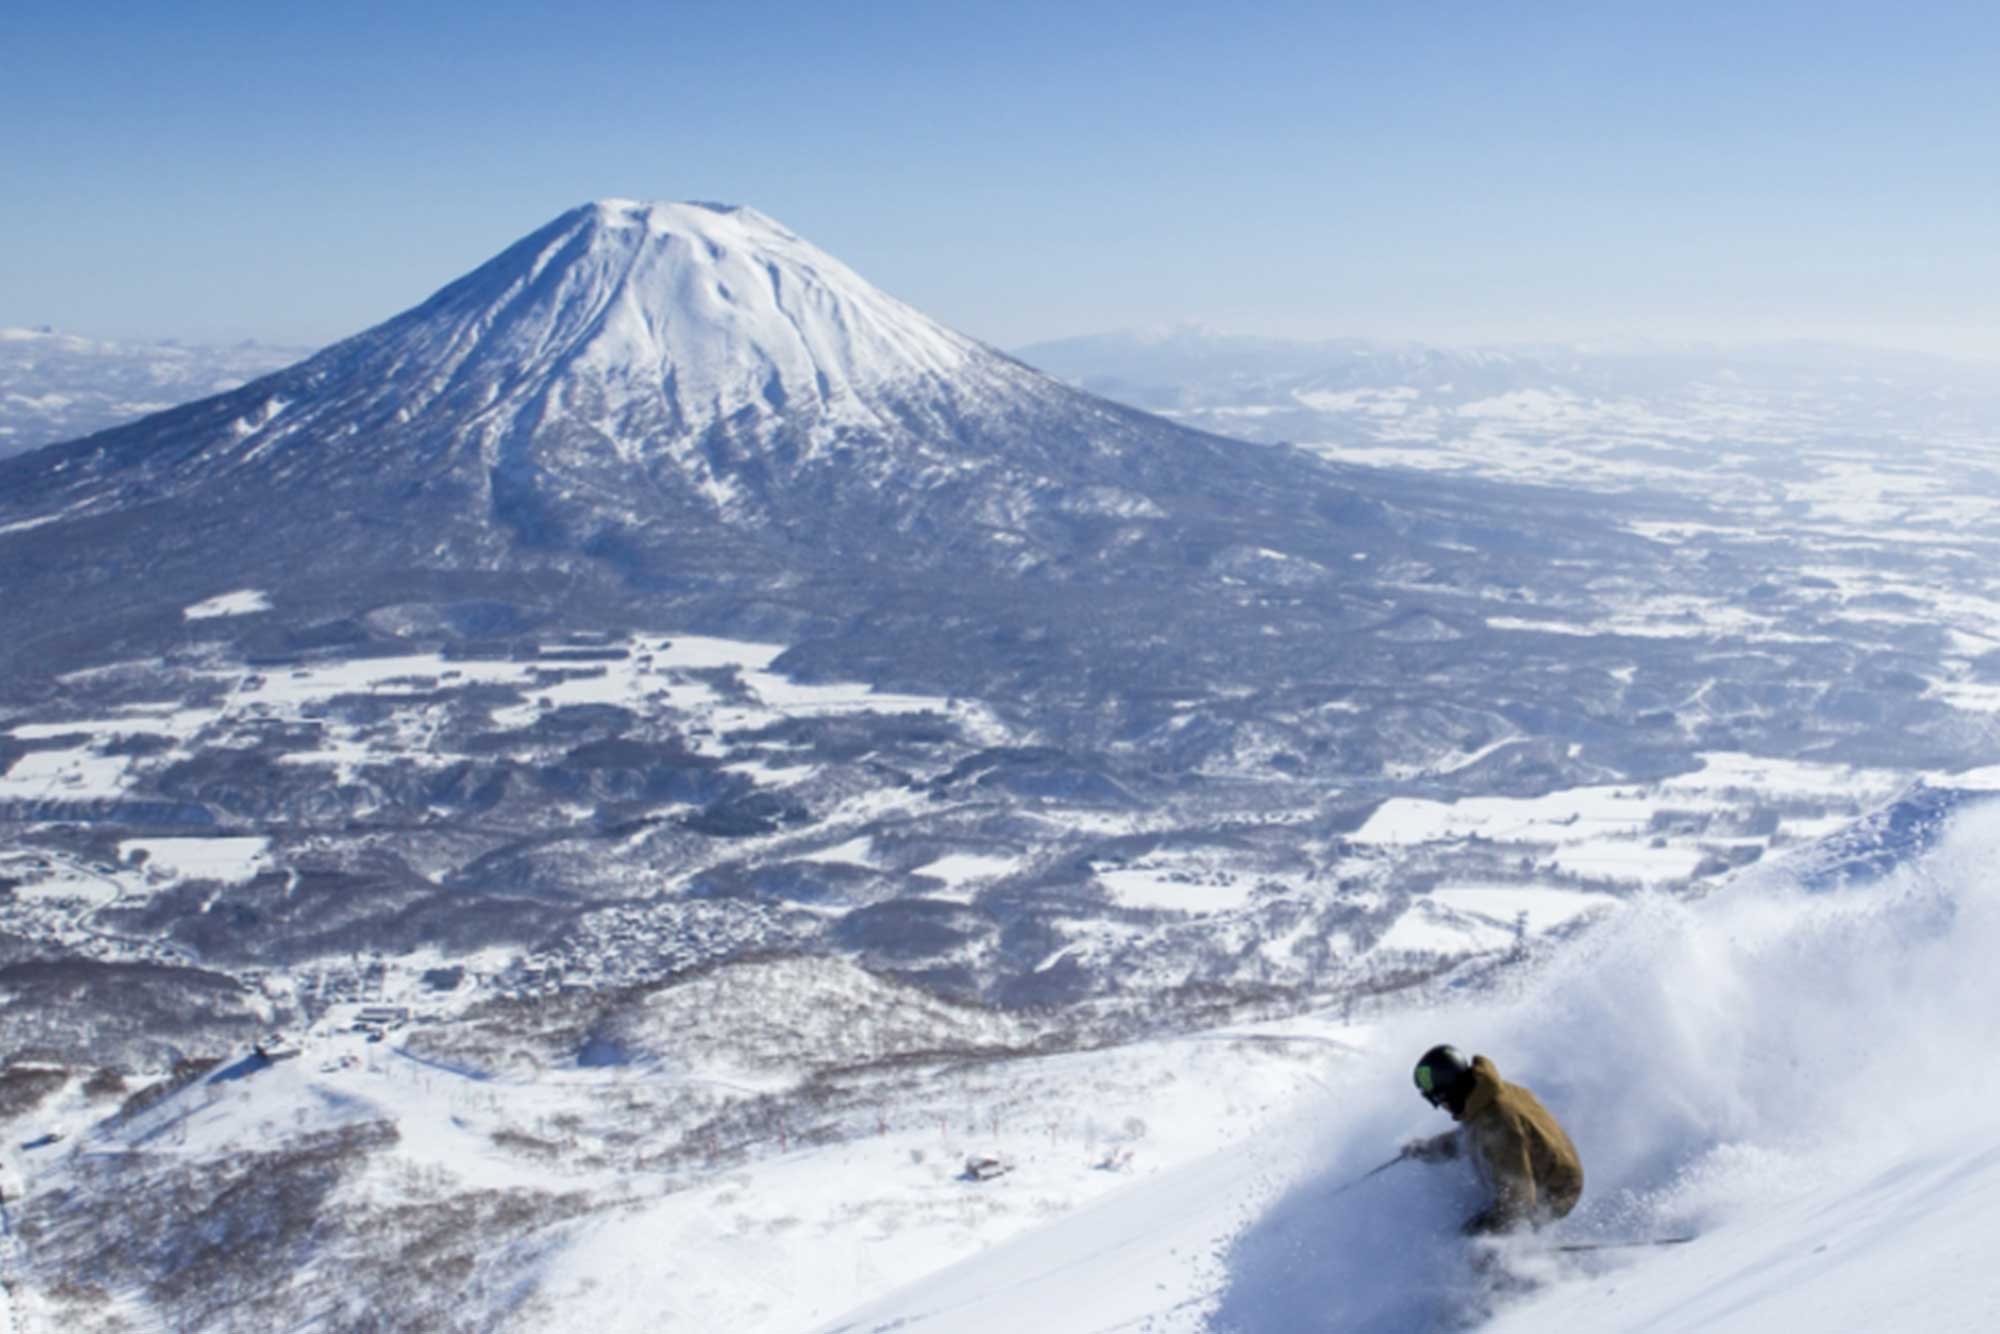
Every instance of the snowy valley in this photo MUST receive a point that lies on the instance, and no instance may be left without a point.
(661, 788)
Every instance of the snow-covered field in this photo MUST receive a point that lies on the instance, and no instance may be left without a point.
(243, 602)
(1638, 834)
(223, 860)
(667, 676)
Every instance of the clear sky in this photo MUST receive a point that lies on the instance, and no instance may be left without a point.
(1451, 171)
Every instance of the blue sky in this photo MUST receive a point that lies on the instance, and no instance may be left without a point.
(1450, 171)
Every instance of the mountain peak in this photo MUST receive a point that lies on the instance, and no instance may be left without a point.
(684, 313)
(667, 216)
(625, 357)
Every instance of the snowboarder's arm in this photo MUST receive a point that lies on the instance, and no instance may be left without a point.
(1436, 1149)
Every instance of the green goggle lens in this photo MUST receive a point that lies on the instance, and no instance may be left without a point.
(1424, 1080)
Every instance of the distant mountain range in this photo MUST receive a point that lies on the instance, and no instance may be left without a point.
(1188, 367)
(1603, 418)
(57, 386)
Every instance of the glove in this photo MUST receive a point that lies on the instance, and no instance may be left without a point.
(1432, 1150)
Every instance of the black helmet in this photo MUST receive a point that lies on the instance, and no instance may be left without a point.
(1441, 1073)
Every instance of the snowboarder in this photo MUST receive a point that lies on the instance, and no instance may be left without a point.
(1523, 1157)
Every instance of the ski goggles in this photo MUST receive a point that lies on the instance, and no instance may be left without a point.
(1427, 1085)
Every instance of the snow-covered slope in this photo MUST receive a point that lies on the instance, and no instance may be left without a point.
(1796, 1078)
(699, 310)
(640, 326)
(1802, 1081)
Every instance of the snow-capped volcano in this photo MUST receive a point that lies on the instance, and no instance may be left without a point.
(664, 315)
(688, 407)
(627, 362)
(619, 334)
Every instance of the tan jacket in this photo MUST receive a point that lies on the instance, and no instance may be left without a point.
(1521, 1153)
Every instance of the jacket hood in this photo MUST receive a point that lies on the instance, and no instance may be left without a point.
(1485, 1088)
